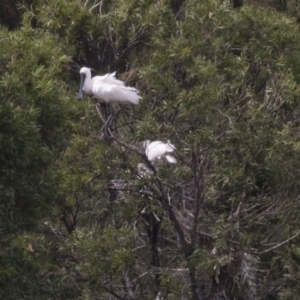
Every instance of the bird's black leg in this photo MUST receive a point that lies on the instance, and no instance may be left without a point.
(109, 120)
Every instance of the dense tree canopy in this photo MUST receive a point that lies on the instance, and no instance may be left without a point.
(220, 80)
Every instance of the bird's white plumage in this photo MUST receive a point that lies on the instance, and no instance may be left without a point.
(158, 151)
(108, 88)
(171, 159)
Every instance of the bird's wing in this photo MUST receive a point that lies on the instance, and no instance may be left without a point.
(109, 78)
(115, 93)
(171, 159)
(155, 149)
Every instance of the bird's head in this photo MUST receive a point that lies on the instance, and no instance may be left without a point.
(84, 73)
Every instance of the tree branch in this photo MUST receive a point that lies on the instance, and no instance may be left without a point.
(280, 244)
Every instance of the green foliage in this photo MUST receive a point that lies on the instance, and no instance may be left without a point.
(38, 117)
(79, 222)
(36, 113)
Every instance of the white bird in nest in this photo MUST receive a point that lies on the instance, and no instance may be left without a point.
(107, 88)
(158, 152)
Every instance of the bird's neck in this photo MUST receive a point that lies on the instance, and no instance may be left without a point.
(87, 86)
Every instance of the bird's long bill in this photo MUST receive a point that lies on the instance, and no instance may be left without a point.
(80, 93)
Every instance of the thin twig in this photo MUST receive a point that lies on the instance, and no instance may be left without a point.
(280, 244)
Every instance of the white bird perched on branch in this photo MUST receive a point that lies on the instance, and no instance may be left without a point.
(158, 152)
(108, 89)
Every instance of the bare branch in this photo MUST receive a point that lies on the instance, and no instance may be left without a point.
(280, 244)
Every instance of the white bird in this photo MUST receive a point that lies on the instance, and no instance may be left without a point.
(106, 88)
(158, 152)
